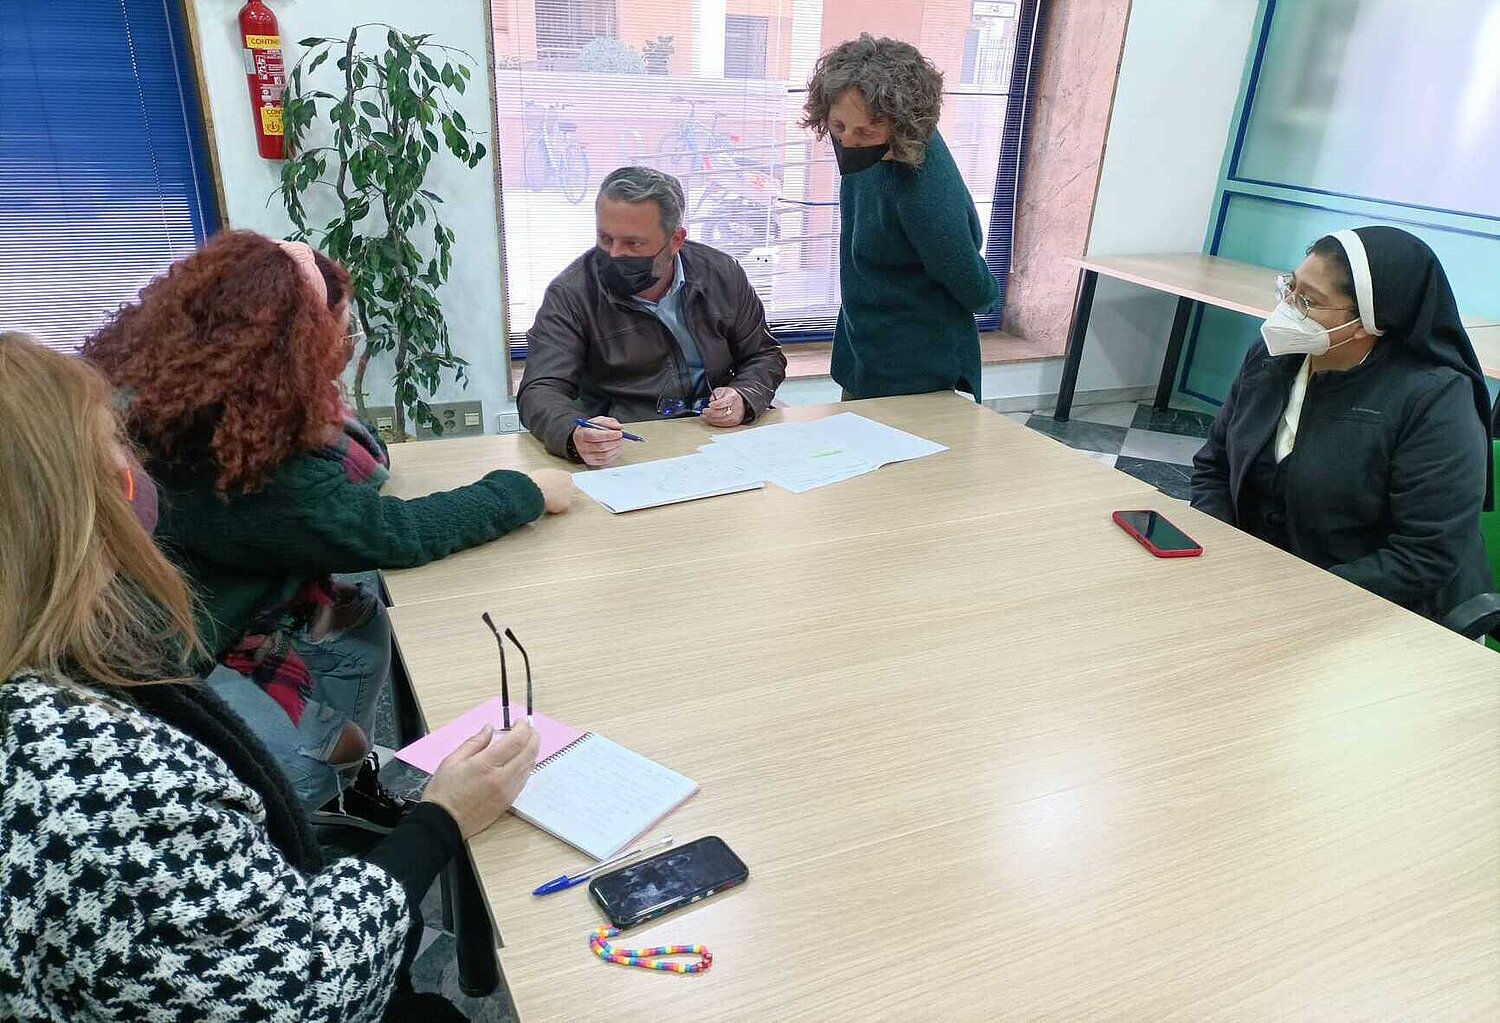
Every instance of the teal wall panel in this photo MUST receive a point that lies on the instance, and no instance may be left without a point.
(1275, 232)
(1329, 136)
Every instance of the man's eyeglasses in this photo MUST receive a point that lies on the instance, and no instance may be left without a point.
(500, 638)
(1295, 300)
(668, 407)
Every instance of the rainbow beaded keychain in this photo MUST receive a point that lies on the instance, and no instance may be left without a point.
(649, 958)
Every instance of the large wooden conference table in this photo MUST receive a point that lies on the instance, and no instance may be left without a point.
(984, 756)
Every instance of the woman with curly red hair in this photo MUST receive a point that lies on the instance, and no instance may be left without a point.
(228, 370)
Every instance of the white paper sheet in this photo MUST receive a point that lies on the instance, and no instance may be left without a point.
(875, 442)
(597, 795)
(803, 456)
(668, 481)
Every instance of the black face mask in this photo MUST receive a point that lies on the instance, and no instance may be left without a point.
(853, 159)
(628, 275)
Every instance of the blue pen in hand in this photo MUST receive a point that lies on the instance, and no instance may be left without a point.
(595, 426)
(558, 884)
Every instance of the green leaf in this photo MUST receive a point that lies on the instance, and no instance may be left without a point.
(317, 61)
(369, 108)
(458, 83)
(479, 151)
(463, 70)
(458, 120)
(431, 196)
(312, 41)
(450, 134)
(447, 75)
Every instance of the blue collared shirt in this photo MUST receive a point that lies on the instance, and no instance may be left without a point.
(668, 309)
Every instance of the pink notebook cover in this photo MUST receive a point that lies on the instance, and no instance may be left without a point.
(427, 752)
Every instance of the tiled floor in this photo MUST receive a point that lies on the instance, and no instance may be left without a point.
(1157, 447)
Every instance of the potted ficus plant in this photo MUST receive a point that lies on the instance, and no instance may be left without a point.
(377, 136)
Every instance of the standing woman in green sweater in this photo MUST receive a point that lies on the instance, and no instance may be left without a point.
(911, 251)
(228, 370)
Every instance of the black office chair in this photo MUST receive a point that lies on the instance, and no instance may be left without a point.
(1476, 618)
(1479, 617)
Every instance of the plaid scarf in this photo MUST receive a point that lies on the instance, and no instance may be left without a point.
(267, 653)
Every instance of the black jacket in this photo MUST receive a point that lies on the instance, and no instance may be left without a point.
(1386, 481)
(590, 353)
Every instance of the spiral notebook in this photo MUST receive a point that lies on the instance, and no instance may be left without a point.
(594, 794)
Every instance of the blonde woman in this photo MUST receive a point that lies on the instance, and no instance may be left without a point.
(154, 863)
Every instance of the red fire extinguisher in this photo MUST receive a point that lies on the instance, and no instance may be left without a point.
(265, 72)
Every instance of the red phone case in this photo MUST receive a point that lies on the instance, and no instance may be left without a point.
(1191, 552)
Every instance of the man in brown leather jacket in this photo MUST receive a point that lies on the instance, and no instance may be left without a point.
(645, 325)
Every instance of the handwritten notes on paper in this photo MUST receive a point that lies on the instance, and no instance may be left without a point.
(668, 481)
(803, 456)
(597, 796)
(797, 457)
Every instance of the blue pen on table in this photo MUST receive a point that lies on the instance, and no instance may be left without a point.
(558, 884)
(595, 426)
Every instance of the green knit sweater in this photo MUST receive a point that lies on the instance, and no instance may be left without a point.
(912, 273)
(249, 553)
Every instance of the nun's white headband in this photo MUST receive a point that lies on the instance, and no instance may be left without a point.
(1364, 289)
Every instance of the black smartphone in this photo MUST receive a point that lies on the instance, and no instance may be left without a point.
(669, 880)
(1153, 532)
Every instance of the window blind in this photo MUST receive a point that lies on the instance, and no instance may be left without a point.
(101, 159)
(711, 91)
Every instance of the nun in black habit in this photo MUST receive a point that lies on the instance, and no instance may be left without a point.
(1357, 436)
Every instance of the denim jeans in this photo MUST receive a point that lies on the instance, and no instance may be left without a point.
(348, 670)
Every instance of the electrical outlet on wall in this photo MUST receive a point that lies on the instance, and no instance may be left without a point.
(458, 418)
(383, 418)
(509, 422)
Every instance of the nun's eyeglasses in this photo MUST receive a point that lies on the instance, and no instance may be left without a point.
(1295, 300)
